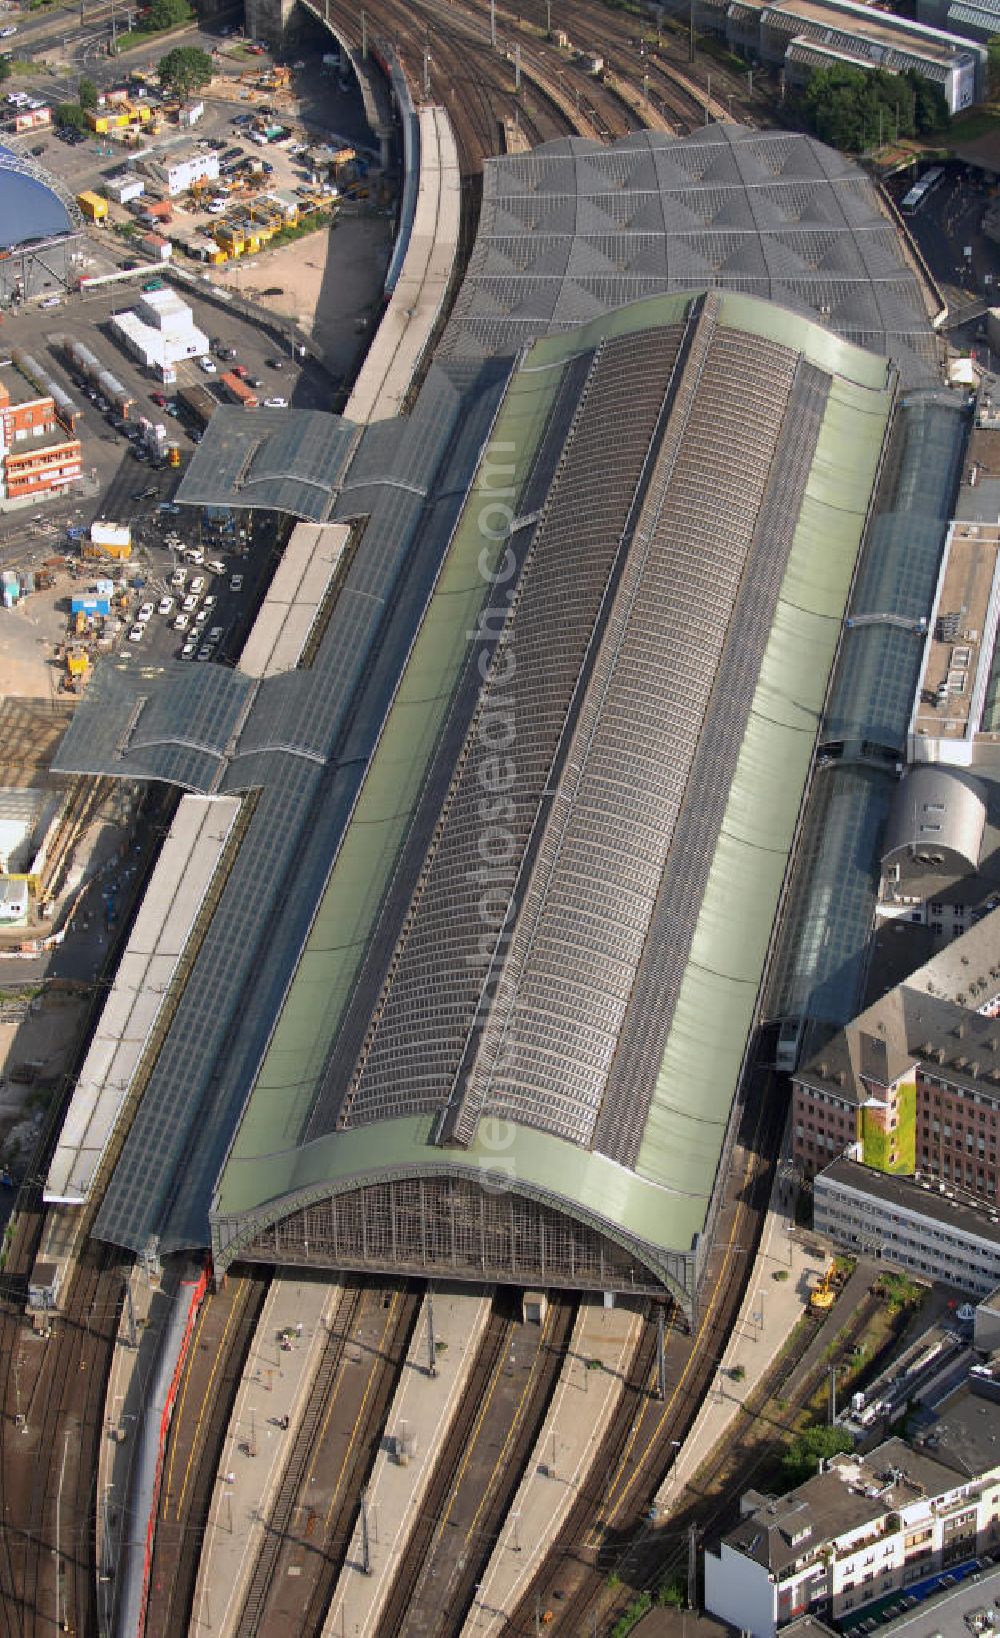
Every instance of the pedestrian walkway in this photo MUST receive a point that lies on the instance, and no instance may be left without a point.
(280, 1367)
(771, 1308)
(580, 1411)
(417, 1427)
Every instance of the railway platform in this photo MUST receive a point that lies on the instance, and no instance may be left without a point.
(770, 1310)
(417, 1425)
(280, 1366)
(602, 1343)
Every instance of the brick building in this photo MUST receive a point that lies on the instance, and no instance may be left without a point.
(913, 1083)
(37, 454)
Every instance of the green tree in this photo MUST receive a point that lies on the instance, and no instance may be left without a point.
(930, 109)
(71, 114)
(185, 70)
(87, 94)
(167, 14)
(853, 109)
(802, 1458)
(6, 69)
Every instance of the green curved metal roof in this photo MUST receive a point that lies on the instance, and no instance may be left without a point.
(664, 1201)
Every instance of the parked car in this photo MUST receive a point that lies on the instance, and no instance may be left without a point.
(165, 606)
(189, 604)
(182, 622)
(178, 578)
(195, 555)
(197, 585)
(159, 398)
(275, 403)
(135, 635)
(189, 648)
(208, 365)
(145, 613)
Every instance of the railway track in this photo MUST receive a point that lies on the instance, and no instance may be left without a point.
(47, 1567)
(476, 1478)
(298, 1461)
(625, 1475)
(307, 1540)
(489, 1359)
(192, 1463)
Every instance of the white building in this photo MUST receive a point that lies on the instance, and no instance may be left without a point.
(123, 187)
(160, 332)
(867, 1527)
(926, 1227)
(183, 167)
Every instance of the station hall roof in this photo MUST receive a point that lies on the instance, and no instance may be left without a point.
(573, 228)
(30, 209)
(552, 905)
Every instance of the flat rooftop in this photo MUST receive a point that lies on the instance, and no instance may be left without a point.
(955, 651)
(906, 1195)
(897, 33)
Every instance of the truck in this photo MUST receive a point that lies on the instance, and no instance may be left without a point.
(196, 405)
(238, 391)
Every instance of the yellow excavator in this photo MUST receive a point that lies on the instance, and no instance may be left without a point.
(823, 1296)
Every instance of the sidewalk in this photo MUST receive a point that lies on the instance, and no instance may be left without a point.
(285, 1352)
(420, 1415)
(580, 1411)
(770, 1310)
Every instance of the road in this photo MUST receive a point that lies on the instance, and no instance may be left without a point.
(945, 227)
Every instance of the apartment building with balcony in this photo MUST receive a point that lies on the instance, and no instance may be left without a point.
(866, 1527)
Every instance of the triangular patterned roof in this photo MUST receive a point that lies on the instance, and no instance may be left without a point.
(573, 229)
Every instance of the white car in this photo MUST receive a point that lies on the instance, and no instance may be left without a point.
(216, 565)
(197, 585)
(215, 635)
(207, 365)
(189, 604)
(178, 578)
(182, 622)
(5, 33)
(210, 602)
(201, 617)
(236, 583)
(135, 635)
(216, 208)
(165, 606)
(189, 648)
(145, 613)
(275, 403)
(195, 555)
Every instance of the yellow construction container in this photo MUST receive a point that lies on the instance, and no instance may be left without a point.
(94, 208)
(77, 662)
(230, 238)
